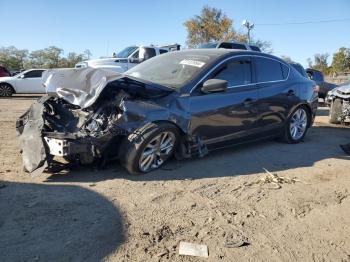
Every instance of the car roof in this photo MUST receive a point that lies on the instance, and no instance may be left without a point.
(221, 52)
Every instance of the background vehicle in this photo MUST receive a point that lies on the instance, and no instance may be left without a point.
(338, 100)
(4, 72)
(128, 57)
(300, 69)
(28, 81)
(230, 45)
(186, 102)
(324, 87)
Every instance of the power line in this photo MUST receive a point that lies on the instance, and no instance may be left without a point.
(307, 22)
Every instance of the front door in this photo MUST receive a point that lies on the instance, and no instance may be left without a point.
(30, 83)
(219, 117)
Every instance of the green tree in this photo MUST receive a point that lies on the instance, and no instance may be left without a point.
(319, 62)
(37, 59)
(211, 25)
(13, 58)
(46, 58)
(341, 60)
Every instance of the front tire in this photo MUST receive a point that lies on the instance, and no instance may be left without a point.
(5, 90)
(297, 125)
(335, 111)
(148, 148)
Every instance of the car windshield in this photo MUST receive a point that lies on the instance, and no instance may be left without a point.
(208, 45)
(172, 70)
(126, 52)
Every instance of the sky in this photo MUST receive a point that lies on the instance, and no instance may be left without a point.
(107, 26)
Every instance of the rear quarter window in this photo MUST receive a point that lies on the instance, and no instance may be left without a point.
(270, 70)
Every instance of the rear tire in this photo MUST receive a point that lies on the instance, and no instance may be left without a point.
(146, 149)
(6, 90)
(297, 125)
(335, 111)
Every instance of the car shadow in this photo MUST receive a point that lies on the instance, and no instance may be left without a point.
(319, 144)
(56, 223)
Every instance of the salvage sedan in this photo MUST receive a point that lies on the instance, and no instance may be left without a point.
(184, 103)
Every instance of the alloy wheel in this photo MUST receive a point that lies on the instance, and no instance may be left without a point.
(298, 124)
(5, 90)
(157, 151)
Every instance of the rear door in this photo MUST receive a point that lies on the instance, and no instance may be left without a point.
(276, 94)
(220, 117)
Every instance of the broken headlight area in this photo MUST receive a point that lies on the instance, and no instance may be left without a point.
(54, 127)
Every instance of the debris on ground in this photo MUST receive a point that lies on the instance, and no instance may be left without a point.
(238, 243)
(190, 249)
(274, 179)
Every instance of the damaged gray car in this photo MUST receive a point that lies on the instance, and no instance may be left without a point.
(338, 100)
(184, 103)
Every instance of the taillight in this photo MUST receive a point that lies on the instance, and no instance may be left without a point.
(315, 88)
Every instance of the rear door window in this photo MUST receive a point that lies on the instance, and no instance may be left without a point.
(149, 53)
(236, 72)
(269, 70)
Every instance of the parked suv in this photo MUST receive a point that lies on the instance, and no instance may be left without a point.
(231, 45)
(324, 87)
(126, 59)
(4, 72)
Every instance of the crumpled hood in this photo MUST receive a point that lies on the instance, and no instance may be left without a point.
(344, 88)
(78, 86)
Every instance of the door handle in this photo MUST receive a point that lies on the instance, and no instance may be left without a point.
(290, 93)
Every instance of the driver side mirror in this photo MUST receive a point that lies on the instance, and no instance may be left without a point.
(214, 85)
(22, 76)
(135, 60)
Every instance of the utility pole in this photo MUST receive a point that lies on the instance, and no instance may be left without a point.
(249, 27)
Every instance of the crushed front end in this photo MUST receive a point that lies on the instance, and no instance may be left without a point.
(54, 127)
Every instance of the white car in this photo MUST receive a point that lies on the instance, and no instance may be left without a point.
(27, 82)
(127, 58)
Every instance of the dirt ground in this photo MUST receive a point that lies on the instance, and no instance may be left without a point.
(108, 215)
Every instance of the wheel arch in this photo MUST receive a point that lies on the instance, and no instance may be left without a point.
(6, 83)
(308, 108)
(181, 130)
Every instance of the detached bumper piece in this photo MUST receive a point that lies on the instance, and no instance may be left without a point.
(62, 147)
